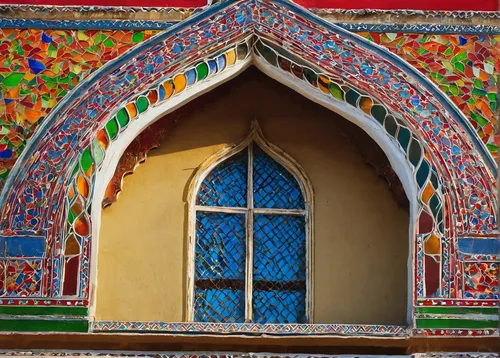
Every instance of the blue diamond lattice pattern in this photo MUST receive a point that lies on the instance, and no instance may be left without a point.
(279, 268)
(274, 186)
(226, 184)
(277, 306)
(220, 267)
(219, 305)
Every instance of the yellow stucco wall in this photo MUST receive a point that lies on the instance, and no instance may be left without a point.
(361, 235)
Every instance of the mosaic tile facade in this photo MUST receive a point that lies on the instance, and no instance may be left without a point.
(39, 68)
(48, 200)
(465, 67)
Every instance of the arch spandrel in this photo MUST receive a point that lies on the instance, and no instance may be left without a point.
(38, 187)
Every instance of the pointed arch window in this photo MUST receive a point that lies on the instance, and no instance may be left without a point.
(250, 233)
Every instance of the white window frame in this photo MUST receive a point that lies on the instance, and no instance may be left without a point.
(305, 184)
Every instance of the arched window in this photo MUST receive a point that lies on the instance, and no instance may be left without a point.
(250, 231)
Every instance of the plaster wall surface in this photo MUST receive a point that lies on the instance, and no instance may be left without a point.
(360, 245)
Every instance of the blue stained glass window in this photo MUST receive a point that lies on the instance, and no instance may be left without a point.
(220, 246)
(279, 243)
(274, 186)
(279, 248)
(226, 185)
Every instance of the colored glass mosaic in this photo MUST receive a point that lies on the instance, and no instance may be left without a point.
(465, 67)
(39, 68)
(454, 176)
(481, 280)
(73, 264)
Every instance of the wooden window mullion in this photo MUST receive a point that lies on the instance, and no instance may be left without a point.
(249, 243)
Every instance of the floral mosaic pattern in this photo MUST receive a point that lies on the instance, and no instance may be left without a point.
(465, 67)
(38, 68)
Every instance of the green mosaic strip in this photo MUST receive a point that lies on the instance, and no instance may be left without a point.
(454, 323)
(43, 311)
(457, 310)
(34, 325)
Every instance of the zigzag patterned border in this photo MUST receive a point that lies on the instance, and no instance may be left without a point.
(428, 13)
(329, 11)
(278, 329)
(163, 25)
(179, 14)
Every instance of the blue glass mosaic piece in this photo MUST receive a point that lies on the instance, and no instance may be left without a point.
(481, 246)
(226, 185)
(19, 246)
(274, 186)
(190, 76)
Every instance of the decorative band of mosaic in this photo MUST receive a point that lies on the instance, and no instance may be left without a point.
(457, 302)
(350, 12)
(252, 328)
(131, 24)
(92, 9)
(456, 332)
(427, 13)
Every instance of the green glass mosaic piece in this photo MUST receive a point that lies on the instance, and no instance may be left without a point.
(456, 310)
(242, 51)
(109, 43)
(122, 117)
(71, 217)
(478, 118)
(100, 37)
(97, 152)
(267, 53)
(454, 90)
(434, 180)
(336, 91)
(460, 66)
(390, 125)
(492, 147)
(138, 37)
(422, 173)
(13, 79)
(142, 104)
(352, 97)
(415, 152)
(404, 137)
(310, 76)
(202, 71)
(112, 128)
(43, 310)
(86, 159)
(435, 323)
(434, 204)
(459, 57)
(32, 325)
(379, 112)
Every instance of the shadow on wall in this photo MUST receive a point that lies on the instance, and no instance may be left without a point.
(361, 233)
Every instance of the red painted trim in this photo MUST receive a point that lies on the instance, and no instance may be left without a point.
(143, 3)
(483, 5)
